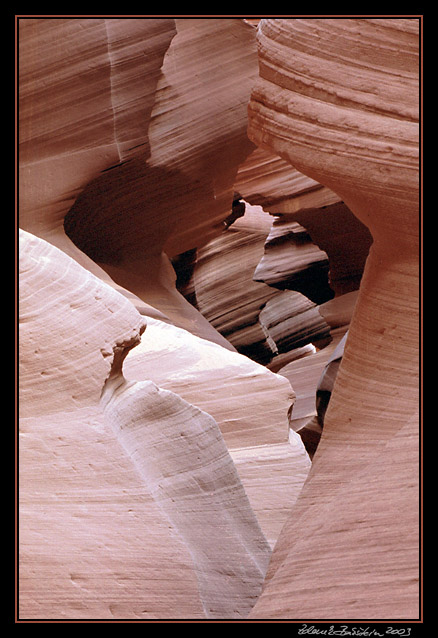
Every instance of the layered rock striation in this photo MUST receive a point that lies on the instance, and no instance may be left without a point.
(218, 318)
(146, 462)
(122, 150)
(134, 465)
(338, 99)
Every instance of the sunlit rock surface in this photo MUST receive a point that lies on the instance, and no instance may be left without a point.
(100, 451)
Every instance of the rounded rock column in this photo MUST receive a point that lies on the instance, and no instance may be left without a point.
(339, 99)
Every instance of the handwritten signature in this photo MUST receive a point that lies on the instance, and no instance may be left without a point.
(345, 630)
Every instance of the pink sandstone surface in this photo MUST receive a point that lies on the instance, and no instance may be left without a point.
(175, 460)
(339, 100)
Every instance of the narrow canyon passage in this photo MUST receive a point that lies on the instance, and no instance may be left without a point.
(219, 320)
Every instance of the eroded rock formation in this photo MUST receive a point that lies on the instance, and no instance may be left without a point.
(81, 418)
(109, 468)
(338, 99)
(193, 241)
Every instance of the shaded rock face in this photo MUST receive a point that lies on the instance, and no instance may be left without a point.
(292, 261)
(319, 251)
(140, 126)
(191, 190)
(217, 383)
(113, 217)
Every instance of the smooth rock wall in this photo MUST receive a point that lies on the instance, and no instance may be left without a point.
(100, 453)
(162, 473)
(339, 100)
(158, 495)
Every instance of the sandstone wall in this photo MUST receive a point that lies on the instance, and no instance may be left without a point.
(218, 239)
(338, 99)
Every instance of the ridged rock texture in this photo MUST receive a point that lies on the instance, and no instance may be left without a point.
(120, 116)
(338, 99)
(218, 318)
(156, 471)
(100, 454)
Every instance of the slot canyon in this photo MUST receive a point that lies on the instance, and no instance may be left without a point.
(219, 318)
